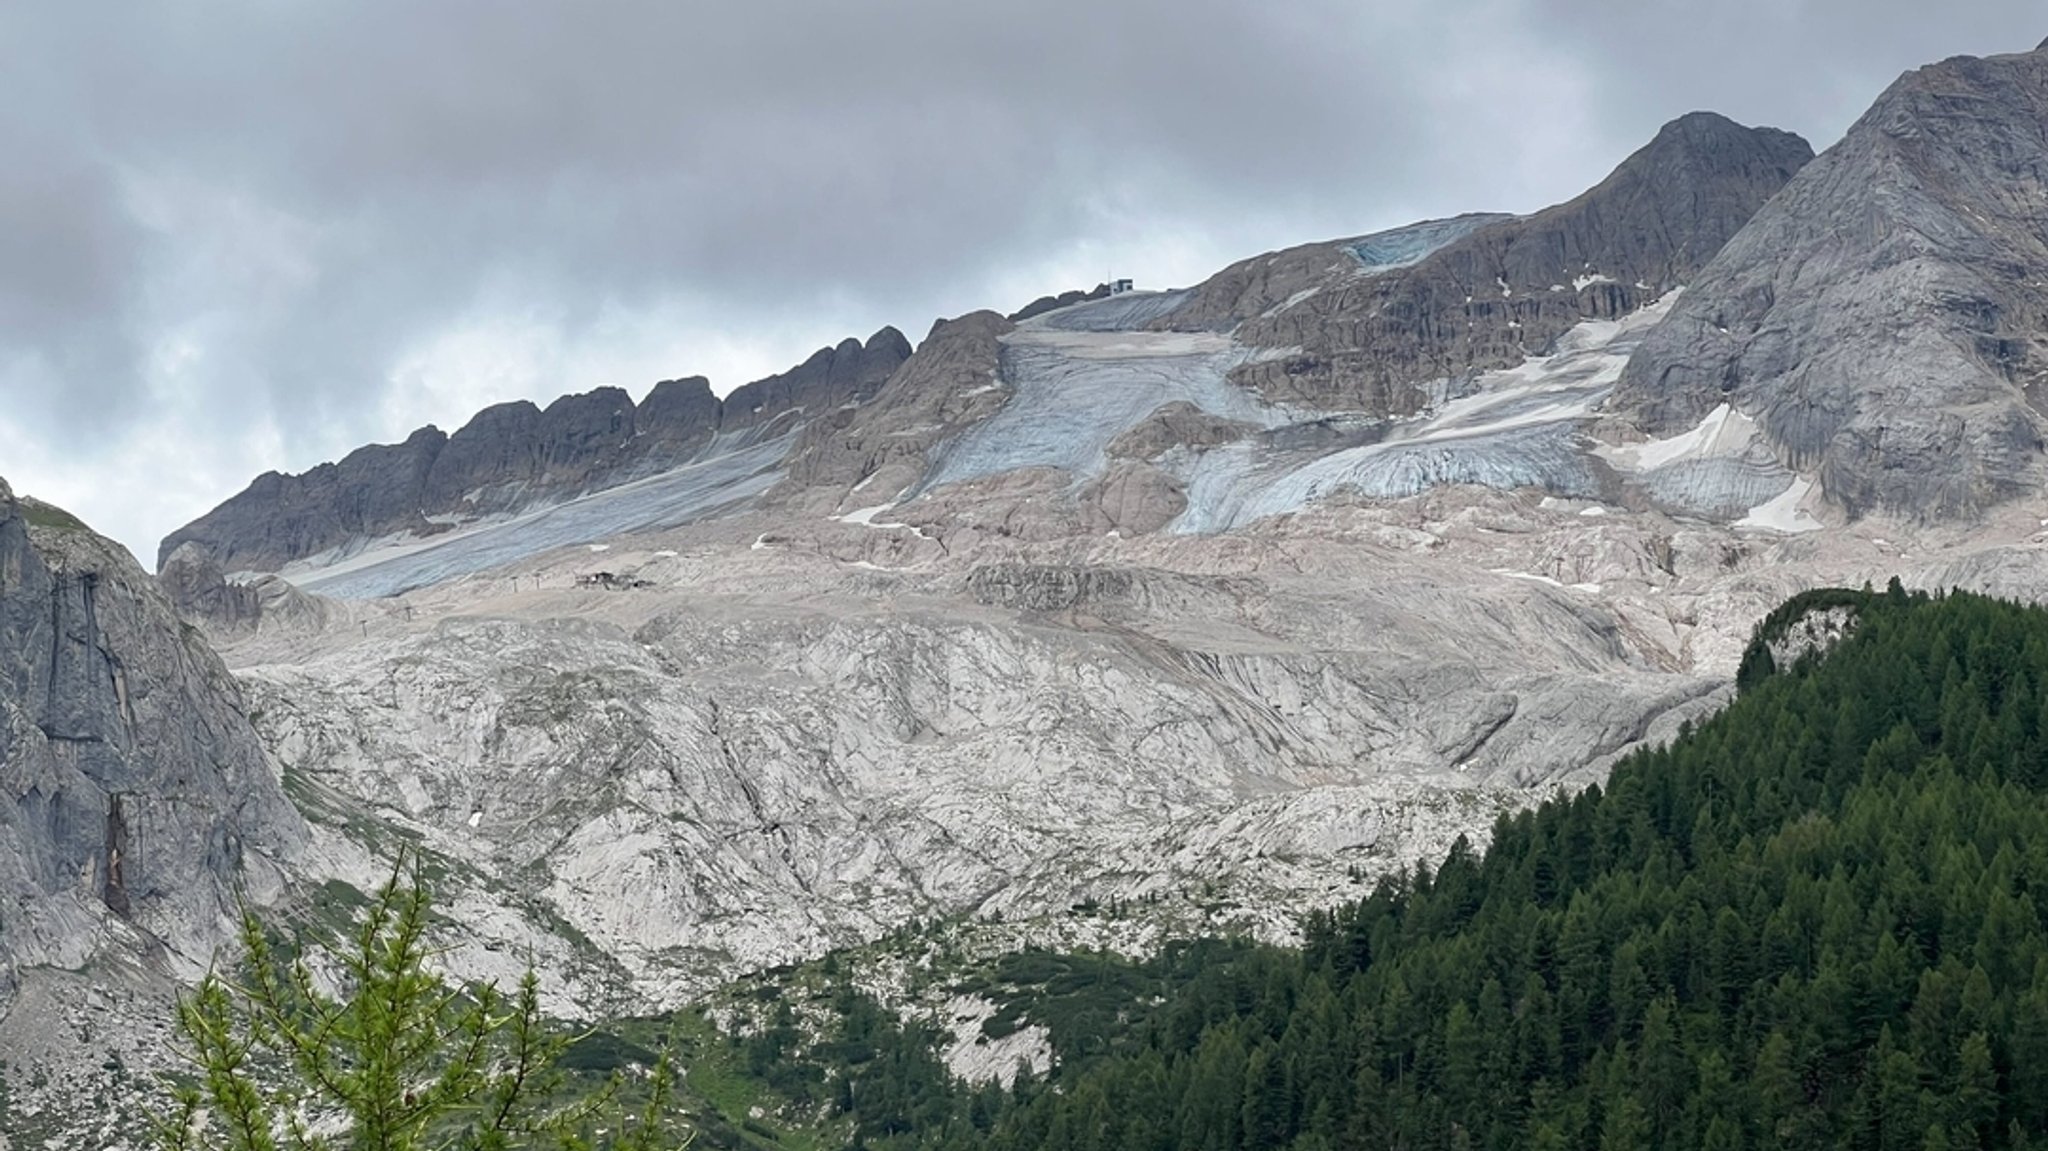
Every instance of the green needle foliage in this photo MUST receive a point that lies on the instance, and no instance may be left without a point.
(400, 1061)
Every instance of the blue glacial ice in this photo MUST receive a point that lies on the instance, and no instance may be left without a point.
(1517, 428)
(1233, 487)
(1084, 375)
(734, 468)
(1400, 247)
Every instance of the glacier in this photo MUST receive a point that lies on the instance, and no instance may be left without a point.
(732, 470)
(1084, 375)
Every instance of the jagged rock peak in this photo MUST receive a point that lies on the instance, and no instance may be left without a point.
(1881, 318)
(515, 455)
(942, 387)
(1704, 130)
(1378, 318)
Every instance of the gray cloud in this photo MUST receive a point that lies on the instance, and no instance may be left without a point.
(237, 234)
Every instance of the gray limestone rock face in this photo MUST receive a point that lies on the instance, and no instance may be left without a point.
(1176, 425)
(950, 383)
(1372, 322)
(678, 415)
(135, 798)
(200, 590)
(1107, 592)
(513, 457)
(849, 373)
(372, 491)
(498, 445)
(1884, 319)
(1134, 498)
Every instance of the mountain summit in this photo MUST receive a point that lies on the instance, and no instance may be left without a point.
(1375, 328)
(1884, 318)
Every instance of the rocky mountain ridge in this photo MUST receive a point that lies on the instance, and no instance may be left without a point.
(1370, 323)
(515, 456)
(1370, 327)
(1885, 318)
(141, 794)
(1063, 598)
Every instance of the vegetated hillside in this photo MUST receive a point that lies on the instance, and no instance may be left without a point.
(1810, 922)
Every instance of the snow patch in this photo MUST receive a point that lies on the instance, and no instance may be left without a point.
(1532, 577)
(1724, 432)
(865, 516)
(1783, 514)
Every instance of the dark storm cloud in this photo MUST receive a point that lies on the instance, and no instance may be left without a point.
(1811, 66)
(237, 235)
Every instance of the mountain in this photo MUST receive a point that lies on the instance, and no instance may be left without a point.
(1291, 374)
(515, 456)
(1059, 612)
(140, 808)
(143, 796)
(1884, 320)
(1094, 605)
(1371, 324)
(1060, 606)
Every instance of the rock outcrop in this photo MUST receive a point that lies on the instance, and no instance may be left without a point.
(514, 456)
(952, 381)
(135, 798)
(1884, 319)
(1044, 304)
(201, 591)
(1376, 320)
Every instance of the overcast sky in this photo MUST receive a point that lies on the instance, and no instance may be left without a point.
(238, 235)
